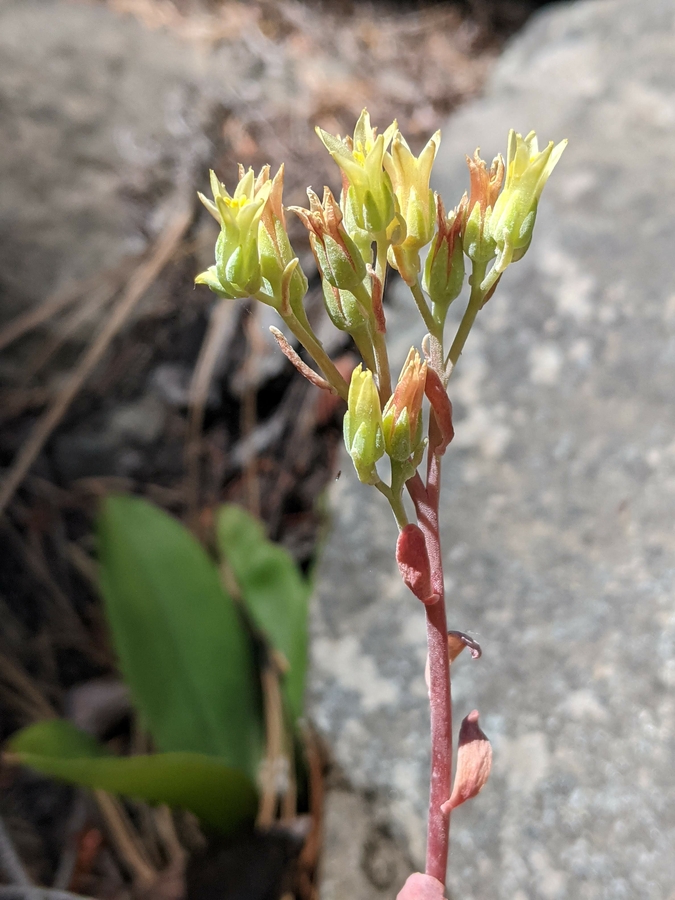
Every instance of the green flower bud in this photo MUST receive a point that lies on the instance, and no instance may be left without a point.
(337, 256)
(444, 269)
(479, 245)
(342, 307)
(275, 252)
(363, 425)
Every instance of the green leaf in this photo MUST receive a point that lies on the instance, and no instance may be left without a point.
(274, 591)
(182, 647)
(218, 794)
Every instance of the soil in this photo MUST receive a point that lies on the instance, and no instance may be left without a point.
(268, 440)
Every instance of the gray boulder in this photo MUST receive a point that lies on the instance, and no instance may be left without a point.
(558, 505)
(92, 119)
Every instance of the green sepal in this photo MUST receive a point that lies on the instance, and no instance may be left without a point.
(343, 308)
(211, 280)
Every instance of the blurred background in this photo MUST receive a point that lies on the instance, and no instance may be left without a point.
(118, 375)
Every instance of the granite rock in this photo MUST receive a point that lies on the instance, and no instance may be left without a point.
(93, 119)
(558, 502)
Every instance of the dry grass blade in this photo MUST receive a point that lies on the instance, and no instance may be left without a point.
(123, 836)
(10, 863)
(54, 304)
(220, 329)
(63, 611)
(85, 312)
(249, 404)
(24, 695)
(274, 736)
(140, 281)
(309, 857)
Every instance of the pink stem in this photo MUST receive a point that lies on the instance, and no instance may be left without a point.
(438, 840)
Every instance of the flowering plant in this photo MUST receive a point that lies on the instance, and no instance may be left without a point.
(386, 215)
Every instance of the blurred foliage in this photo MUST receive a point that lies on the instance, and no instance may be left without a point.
(187, 650)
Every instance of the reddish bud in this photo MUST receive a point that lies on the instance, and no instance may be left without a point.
(421, 887)
(413, 563)
(402, 415)
(474, 761)
(485, 183)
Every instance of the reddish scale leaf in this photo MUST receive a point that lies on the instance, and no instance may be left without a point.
(413, 563)
(442, 407)
(474, 761)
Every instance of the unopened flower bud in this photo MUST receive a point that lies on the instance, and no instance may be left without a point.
(343, 308)
(444, 269)
(515, 210)
(402, 416)
(337, 256)
(485, 185)
(275, 251)
(363, 425)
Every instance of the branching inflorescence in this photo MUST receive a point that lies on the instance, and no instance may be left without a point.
(386, 215)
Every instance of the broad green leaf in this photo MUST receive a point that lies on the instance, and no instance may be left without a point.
(181, 645)
(274, 591)
(218, 794)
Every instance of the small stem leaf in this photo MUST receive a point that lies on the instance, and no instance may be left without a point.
(457, 641)
(302, 367)
(474, 761)
(413, 562)
(442, 407)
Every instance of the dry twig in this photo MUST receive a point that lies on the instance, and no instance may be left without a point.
(220, 328)
(138, 284)
(10, 863)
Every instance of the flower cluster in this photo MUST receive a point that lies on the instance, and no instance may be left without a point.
(387, 214)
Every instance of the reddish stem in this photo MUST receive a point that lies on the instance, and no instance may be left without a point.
(426, 502)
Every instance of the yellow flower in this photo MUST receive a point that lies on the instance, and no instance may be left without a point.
(368, 196)
(237, 269)
(363, 425)
(514, 212)
(410, 177)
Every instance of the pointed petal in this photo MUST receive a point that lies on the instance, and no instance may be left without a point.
(335, 145)
(212, 208)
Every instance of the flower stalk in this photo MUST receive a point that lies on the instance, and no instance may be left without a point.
(387, 203)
